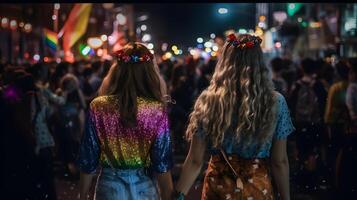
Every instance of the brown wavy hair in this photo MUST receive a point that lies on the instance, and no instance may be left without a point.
(131, 80)
(241, 85)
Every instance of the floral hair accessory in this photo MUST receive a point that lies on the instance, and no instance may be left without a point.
(246, 41)
(122, 57)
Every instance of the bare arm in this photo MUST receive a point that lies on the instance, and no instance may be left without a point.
(165, 185)
(280, 168)
(192, 166)
(84, 184)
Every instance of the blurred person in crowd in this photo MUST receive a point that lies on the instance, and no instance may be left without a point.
(166, 68)
(17, 140)
(79, 67)
(347, 160)
(326, 74)
(206, 75)
(70, 123)
(96, 79)
(243, 122)
(277, 65)
(336, 114)
(2, 70)
(127, 132)
(351, 95)
(307, 102)
(106, 67)
(61, 69)
(291, 73)
(88, 92)
(41, 112)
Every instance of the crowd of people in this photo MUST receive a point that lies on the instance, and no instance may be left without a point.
(43, 108)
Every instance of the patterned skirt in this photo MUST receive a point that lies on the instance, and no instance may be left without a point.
(130, 184)
(220, 182)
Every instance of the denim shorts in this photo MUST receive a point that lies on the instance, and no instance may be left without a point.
(128, 184)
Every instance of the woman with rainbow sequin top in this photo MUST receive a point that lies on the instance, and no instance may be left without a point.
(127, 132)
(244, 125)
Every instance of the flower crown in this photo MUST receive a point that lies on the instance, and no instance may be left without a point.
(122, 57)
(246, 41)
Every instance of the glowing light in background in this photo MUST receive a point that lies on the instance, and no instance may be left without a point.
(94, 42)
(143, 27)
(208, 44)
(13, 24)
(143, 18)
(150, 46)
(278, 45)
(199, 40)
(104, 38)
(222, 11)
(174, 48)
(192, 52)
(262, 18)
(28, 27)
(100, 52)
(213, 35)
(85, 50)
(146, 38)
(57, 6)
(167, 55)
(4, 22)
(121, 19)
(36, 57)
(215, 48)
(242, 31)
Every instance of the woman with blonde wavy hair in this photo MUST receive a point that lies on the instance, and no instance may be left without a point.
(244, 124)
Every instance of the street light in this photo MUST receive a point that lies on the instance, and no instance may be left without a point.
(199, 40)
(222, 11)
(150, 46)
(143, 27)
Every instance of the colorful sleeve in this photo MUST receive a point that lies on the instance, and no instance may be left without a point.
(284, 126)
(89, 150)
(161, 152)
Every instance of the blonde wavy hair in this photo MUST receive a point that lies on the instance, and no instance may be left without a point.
(240, 85)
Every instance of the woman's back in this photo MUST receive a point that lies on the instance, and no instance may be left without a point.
(282, 127)
(127, 147)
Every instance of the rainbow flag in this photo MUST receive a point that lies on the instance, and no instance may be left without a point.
(51, 39)
(76, 25)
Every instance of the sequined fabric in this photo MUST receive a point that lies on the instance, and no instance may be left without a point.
(220, 183)
(148, 144)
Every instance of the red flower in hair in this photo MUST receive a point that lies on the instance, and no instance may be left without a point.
(126, 58)
(146, 57)
(232, 37)
(250, 44)
(119, 53)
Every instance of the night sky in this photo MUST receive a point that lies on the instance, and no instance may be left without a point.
(182, 23)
